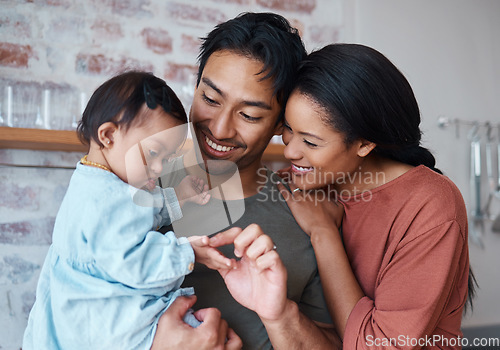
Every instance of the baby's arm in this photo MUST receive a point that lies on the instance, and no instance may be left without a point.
(209, 256)
(192, 189)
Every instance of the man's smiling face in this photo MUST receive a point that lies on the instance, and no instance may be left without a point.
(234, 113)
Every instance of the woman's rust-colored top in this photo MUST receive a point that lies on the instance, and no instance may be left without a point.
(407, 245)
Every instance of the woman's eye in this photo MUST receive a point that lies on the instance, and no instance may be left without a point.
(153, 154)
(287, 127)
(310, 144)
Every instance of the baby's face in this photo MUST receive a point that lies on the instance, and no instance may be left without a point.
(144, 147)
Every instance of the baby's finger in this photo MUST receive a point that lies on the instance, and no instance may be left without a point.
(218, 260)
(199, 241)
(205, 197)
(198, 184)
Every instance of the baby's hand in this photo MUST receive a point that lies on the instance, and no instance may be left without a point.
(209, 256)
(192, 189)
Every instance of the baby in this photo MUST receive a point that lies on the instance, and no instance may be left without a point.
(109, 275)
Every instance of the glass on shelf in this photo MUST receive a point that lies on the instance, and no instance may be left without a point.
(29, 104)
(61, 107)
(19, 104)
(6, 105)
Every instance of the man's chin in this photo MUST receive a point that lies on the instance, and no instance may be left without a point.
(218, 166)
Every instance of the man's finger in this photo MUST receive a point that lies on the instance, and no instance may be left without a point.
(225, 237)
(233, 341)
(209, 316)
(181, 305)
(270, 260)
(259, 246)
(246, 238)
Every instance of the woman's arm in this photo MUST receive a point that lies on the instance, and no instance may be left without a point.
(340, 286)
(320, 220)
(412, 291)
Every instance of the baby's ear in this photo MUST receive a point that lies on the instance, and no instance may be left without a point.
(365, 147)
(106, 133)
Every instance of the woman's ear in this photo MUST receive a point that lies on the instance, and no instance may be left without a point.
(106, 134)
(365, 148)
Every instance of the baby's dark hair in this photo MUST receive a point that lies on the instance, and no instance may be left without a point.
(120, 99)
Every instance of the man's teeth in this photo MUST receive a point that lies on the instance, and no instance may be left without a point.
(217, 147)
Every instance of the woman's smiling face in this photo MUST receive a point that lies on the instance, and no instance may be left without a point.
(318, 153)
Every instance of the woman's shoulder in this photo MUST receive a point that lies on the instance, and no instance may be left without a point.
(427, 182)
(435, 197)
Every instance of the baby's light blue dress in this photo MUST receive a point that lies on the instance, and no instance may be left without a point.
(108, 276)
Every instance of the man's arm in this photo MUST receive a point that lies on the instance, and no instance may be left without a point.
(294, 330)
(259, 283)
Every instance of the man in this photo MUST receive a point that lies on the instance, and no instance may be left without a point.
(246, 72)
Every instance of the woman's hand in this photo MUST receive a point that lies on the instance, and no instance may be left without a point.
(313, 209)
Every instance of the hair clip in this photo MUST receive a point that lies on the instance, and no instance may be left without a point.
(148, 96)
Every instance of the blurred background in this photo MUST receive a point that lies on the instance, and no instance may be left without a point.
(54, 53)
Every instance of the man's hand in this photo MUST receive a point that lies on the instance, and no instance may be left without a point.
(173, 333)
(258, 280)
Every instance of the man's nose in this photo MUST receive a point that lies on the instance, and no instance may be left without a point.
(222, 125)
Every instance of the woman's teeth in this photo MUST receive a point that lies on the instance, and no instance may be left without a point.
(217, 147)
(301, 169)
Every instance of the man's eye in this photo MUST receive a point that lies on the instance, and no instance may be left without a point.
(208, 99)
(249, 118)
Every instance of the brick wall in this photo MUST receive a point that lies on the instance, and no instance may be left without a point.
(70, 47)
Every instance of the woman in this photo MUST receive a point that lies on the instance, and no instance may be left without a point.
(397, 274)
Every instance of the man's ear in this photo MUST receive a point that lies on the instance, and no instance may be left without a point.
(365, 147)
(106, 134)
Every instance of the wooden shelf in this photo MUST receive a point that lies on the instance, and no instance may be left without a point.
(40, 139)
(274, 153)
(66, 140)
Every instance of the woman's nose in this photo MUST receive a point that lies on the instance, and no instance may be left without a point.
(292, 150)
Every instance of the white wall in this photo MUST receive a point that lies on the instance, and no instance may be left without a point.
(450, 52)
